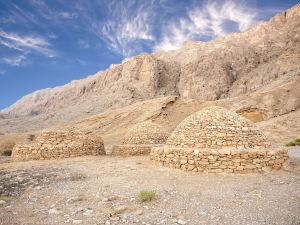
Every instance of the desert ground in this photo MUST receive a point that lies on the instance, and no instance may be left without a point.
(103, 190)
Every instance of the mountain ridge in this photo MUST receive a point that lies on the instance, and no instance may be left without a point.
(237, 64)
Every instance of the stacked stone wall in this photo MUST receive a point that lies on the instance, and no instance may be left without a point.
(229, 160)
(217, 140)
(132, 150)
(59, 144)
(145, 133)
(140, 138)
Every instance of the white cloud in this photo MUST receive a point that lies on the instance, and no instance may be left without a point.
(15, 60)
(26, 43)
(65, 15)
(81, 62)
(45, 11)
(207, 20)
(125, 27)
(83, 44)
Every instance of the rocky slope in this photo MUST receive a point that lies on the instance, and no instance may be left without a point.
(241, 63)
(275, 110)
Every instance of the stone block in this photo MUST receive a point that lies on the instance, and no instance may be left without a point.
(183, 161)
(266, 168)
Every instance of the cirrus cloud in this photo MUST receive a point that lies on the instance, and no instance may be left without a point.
(26, 43)
(17, 60)
(126, 26)
(209, 20)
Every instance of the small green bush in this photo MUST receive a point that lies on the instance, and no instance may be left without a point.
(295, 142)
(7, 152)
(146, 195)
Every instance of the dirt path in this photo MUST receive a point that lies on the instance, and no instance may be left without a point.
(102, 190)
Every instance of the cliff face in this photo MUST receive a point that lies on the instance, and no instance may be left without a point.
(142, 77)
(267, 55)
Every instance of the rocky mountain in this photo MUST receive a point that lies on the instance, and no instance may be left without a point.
(255, 73)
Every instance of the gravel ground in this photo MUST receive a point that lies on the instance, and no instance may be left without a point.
(103, 190)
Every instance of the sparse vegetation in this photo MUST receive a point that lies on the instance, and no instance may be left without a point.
(146, 195)
(295, 142)
(31, 137)
(7, 152)
(6, 145)
(4, 197)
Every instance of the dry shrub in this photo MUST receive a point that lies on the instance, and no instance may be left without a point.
(6, 145)
(7, 152)
(295, 142)
(146, 195)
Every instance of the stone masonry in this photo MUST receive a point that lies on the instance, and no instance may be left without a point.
(216, 140)
(59, 144)
(140, 138)
(131, 150)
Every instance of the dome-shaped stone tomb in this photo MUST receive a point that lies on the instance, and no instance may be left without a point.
(59, 144)
(216, 126)
(217, 140)
(140, 138)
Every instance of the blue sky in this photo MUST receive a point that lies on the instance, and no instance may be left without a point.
(45, 43)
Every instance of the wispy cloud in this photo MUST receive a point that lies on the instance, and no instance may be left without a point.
(207, 20)
(83, 44)
(52, 15)
(15, 60)
(26, 43)
(66, 15)
(125, 27)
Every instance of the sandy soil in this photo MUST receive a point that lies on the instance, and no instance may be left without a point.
(103, 190)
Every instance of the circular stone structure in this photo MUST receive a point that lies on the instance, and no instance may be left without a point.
(140, 138)
(217, 140)
(59, 144)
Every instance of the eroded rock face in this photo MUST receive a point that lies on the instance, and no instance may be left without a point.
(240, 63)
(59, 144)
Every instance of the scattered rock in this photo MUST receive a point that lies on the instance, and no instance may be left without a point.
(77, 221)
(88, 212)
(2, 202)
(181, 222)
(15, 183)
(111, 198)
(115, 218)
(105, 200)
(54, 211)
(121, 209)
(139, 212)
